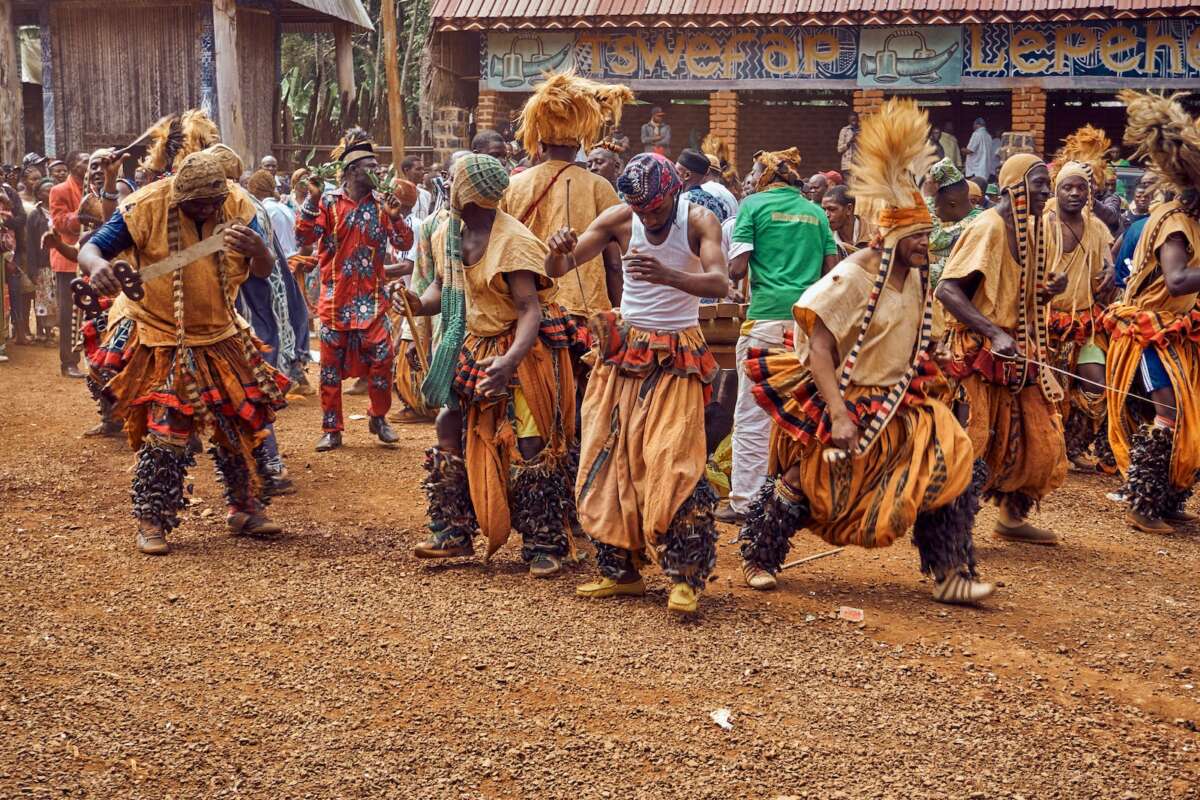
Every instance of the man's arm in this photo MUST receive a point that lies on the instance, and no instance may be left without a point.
(822, 363)
(829, 262)
(568, 250)
(955, 294)
(739, 266)
(614, 274)
(310, 221)
(248, 242)
(399, 235)
(1173, 257)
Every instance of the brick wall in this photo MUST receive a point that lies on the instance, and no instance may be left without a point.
(723, 120)
(867, 101)
(1029, 114)
(487, 110)
(778, 120)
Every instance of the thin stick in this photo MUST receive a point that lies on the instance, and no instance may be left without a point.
(1082, 379)
(814, 557)
(422, 359)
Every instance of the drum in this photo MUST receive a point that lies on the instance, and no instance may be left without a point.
(721, 324)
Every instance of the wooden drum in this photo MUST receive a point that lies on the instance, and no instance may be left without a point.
(721, 324)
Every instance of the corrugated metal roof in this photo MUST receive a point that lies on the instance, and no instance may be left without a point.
(351, 11)
(591, 13)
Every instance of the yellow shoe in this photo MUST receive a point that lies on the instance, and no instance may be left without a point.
(607, 587)
(683, 599)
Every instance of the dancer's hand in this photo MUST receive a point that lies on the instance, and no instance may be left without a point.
(104, 281)
(498, 374)
(393, 207)
(1056, 284)
(1003, 346)
(648, 268)
(245, 242)
(844, 435)
(563, 242)
(111, 164)
(316, 188)
(399, 293)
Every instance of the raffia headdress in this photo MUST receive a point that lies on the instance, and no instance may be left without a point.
(566, 109)
(177, 136)
(714, 145)
(1162, 131)
(892, 154)
(1088, 146)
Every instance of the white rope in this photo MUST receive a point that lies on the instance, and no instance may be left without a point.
(1082, 379)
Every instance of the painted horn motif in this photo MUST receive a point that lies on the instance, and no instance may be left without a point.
(909, 67)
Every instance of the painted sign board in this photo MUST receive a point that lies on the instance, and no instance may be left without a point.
(1077, 55)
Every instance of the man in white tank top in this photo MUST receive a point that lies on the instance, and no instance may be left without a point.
(641, 491)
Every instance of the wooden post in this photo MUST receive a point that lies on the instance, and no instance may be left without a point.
(229, 82)
(12, 132)
(344, 48)
(391, 66)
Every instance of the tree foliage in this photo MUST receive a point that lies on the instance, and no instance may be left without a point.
(314, 113)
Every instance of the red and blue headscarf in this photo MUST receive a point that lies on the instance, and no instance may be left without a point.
(649, 181)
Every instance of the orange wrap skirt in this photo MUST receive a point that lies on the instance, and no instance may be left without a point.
(642, 452)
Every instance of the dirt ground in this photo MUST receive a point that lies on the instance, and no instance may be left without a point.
(330, 663)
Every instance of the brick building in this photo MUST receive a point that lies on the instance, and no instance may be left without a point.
(773, 73)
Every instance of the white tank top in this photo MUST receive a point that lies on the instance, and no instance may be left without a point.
(650, 305)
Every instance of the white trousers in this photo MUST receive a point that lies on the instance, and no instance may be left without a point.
(751, 425)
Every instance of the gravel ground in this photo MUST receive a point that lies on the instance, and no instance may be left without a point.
(330, 663)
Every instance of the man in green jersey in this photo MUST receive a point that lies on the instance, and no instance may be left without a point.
(785, 242)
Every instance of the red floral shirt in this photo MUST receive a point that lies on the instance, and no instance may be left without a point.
(351, 244)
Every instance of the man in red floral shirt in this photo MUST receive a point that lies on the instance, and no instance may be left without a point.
(352, 227)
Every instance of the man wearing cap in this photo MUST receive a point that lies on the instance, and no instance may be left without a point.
(692, 167)
(191, 368)
(952, 212)
(352, 227)
(656, 134)
(501, 375)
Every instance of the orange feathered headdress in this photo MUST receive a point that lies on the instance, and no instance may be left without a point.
(566, 109)
(892, 154)
(1089, 146)
(175, 137)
